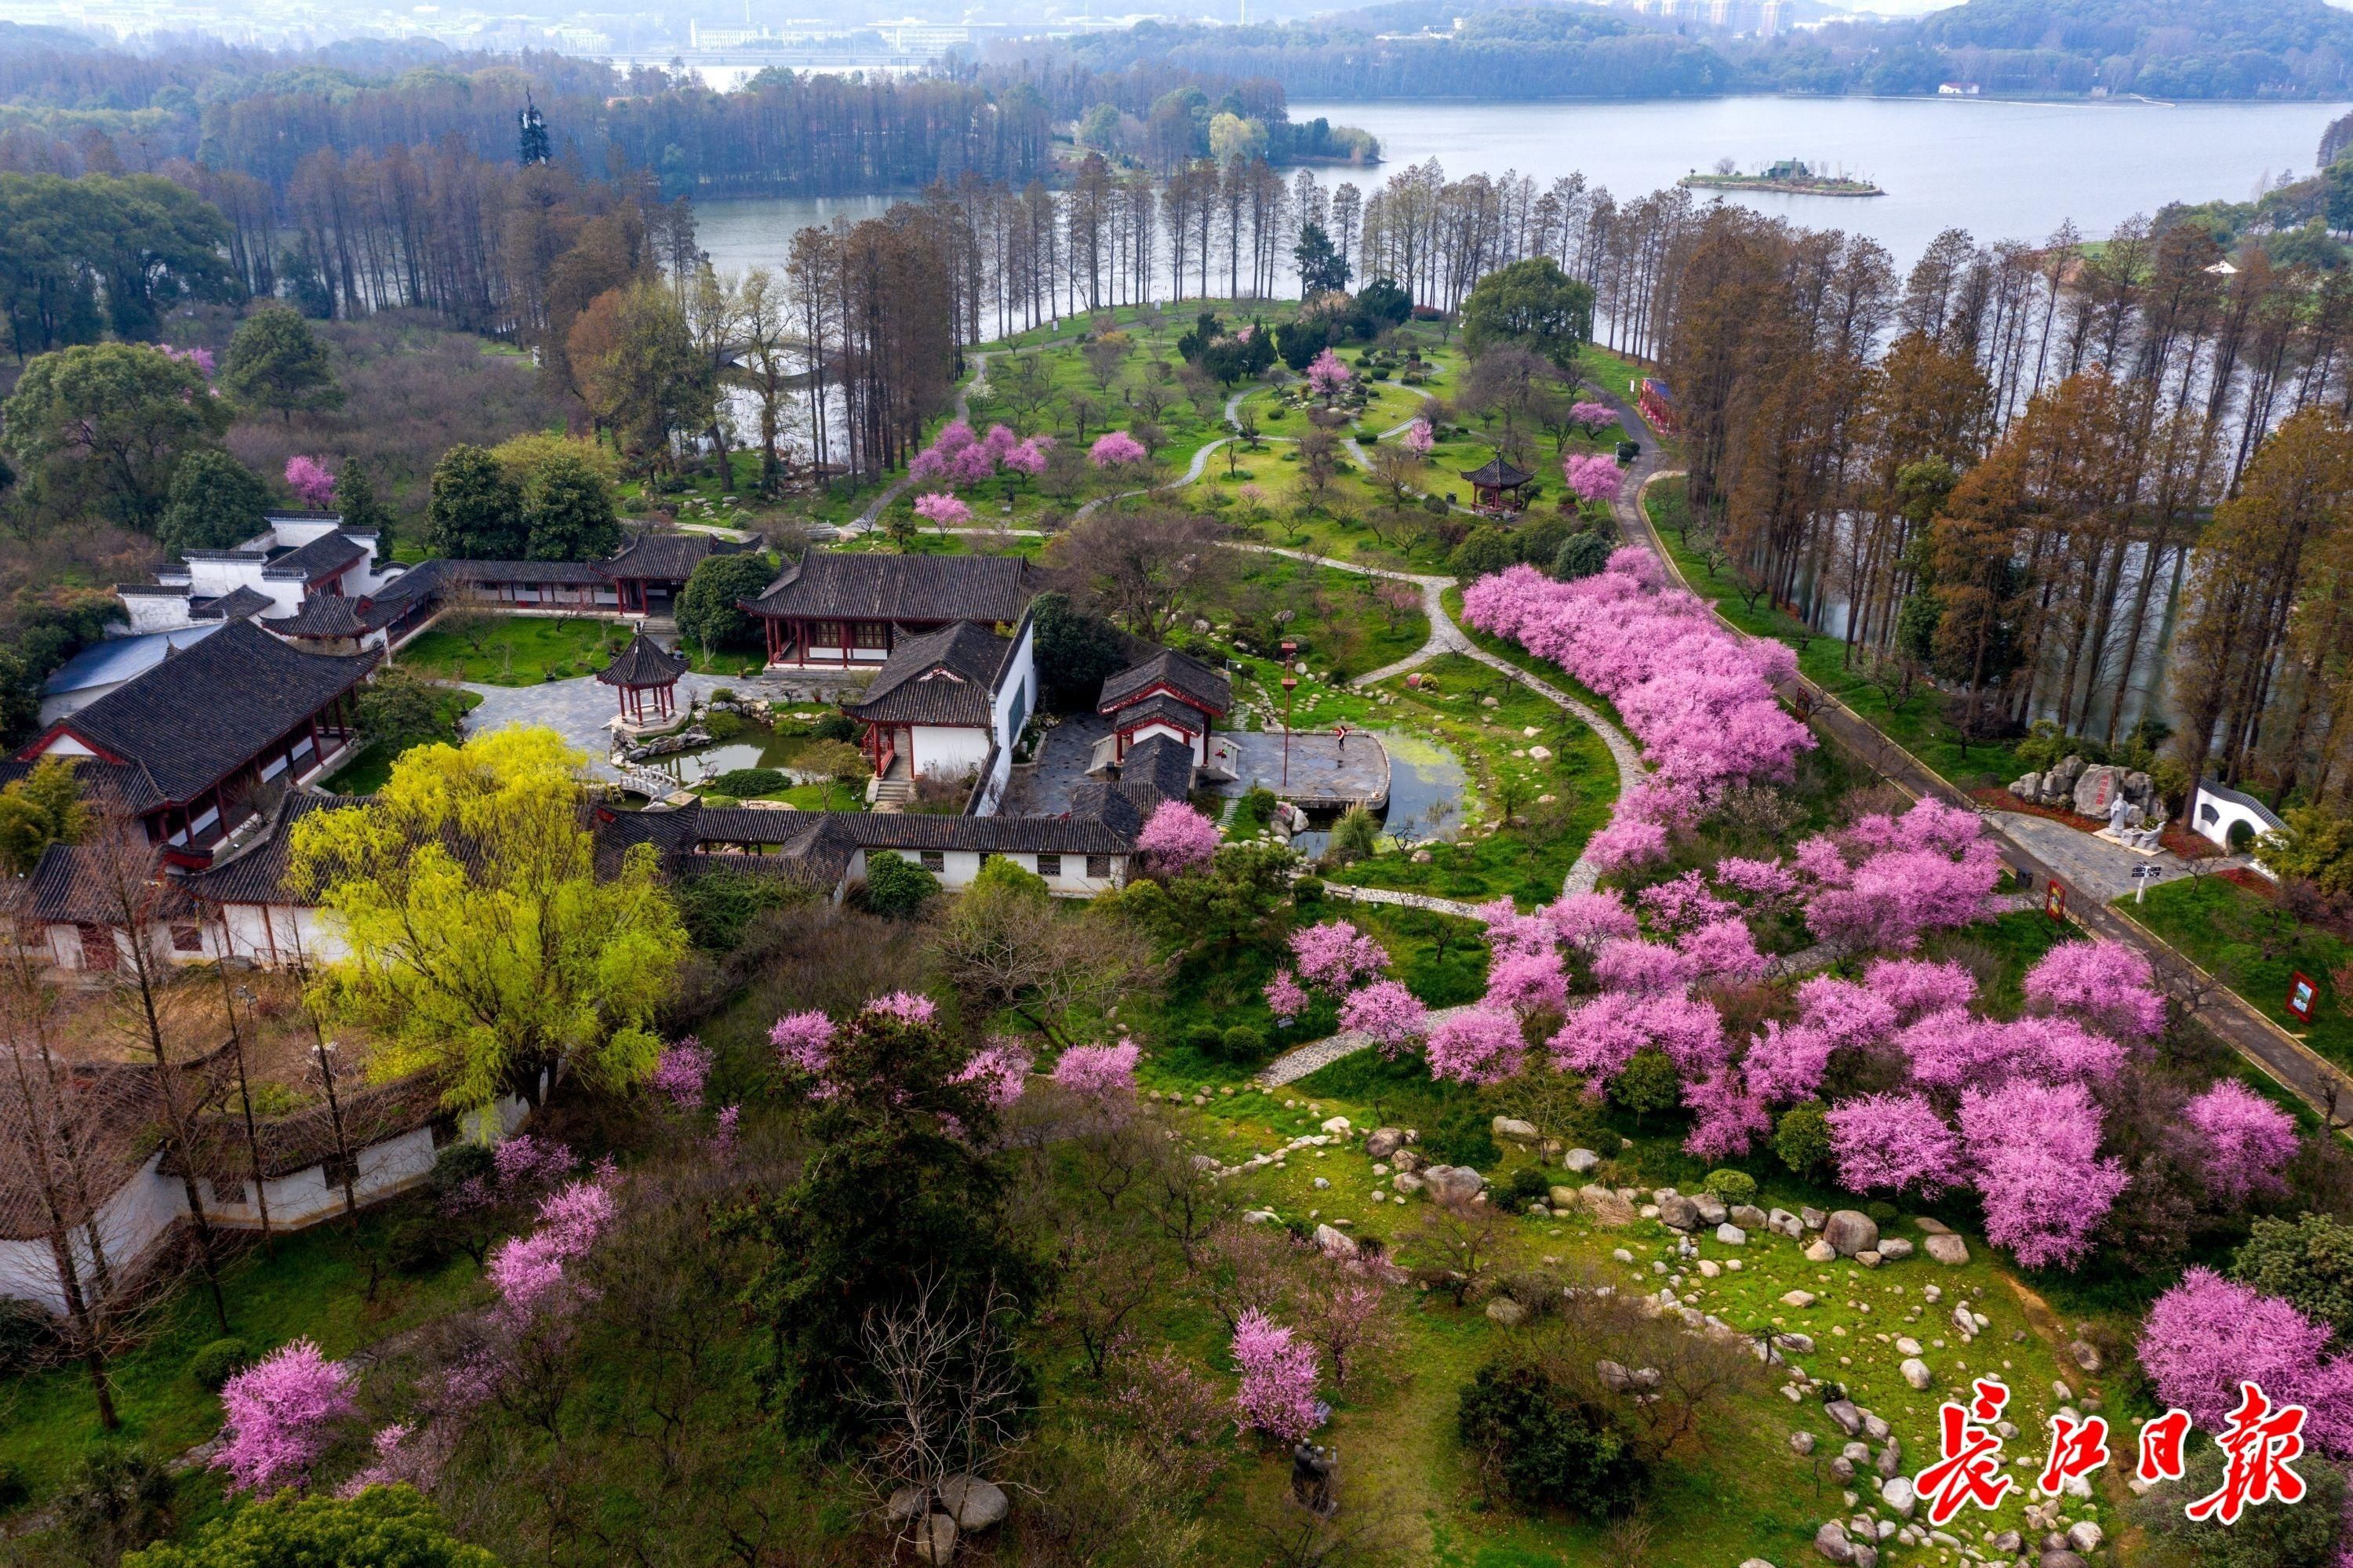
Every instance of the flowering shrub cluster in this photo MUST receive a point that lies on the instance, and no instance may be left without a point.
(1116, 448)
(1326, 374)
(313, 485)
(1593, 477)
(529, 1271)
(2207, 1334)
(1344, 963)
(1175, 839)
(279, 1415)
(942, 510)
(1278, 1387)
(1700, 700)
(681, 1073)
(1419, 438)
(962, 459)
(1098, 1071)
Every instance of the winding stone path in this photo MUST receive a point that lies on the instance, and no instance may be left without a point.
(866, 521)
(1301, 1060)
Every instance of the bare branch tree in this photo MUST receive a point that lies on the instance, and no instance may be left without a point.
(945, 1396)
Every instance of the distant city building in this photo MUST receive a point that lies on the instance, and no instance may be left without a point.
(1957, 90)
(914, 36)
(699, 36)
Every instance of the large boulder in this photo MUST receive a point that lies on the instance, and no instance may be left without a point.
(2028, 789)
(1896, 1492)
(1831, 1543)
(1893, 1249)
(1851, 1231)
(1948, 1249)
(1581, 1160)
(1384, 1141)
(1679, 1212)
(1514, 1130)
(1916, 1372)
(1846, 1414)
(1334, 1244)
(1712, 1209)
(1782, 1223)
(1749, 1216)
(935, 1538)
(976, 1505)
(2095, 788)
(1453, 1183)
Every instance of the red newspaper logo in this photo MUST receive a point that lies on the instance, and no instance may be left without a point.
(1969, 1467)
(2257, 1442)
(2077, 1449)
(2163, 1443)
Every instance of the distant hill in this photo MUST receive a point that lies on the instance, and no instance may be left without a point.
(1430, 49)
(15, 36)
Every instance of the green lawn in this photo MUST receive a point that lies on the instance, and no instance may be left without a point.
(2254, 946)
(509, 649)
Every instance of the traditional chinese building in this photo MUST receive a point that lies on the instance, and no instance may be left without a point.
(1169, 695)
(645, 674)
(829, 611)
(950, 703)
(1499, 486)
(187, 744)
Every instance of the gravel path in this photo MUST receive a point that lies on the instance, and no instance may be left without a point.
(866, 521)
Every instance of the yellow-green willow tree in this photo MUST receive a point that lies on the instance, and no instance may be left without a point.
(482, 945)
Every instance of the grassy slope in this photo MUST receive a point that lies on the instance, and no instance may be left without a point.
(2251, 944)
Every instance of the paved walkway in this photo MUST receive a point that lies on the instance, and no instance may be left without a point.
(2289, 1061)
(2090, 864)
(577, 709)
(1300, 1061)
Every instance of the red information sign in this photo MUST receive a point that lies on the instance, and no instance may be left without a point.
(2054, 900)
(2300, 993)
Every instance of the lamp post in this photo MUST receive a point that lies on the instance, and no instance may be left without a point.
(1290, 687)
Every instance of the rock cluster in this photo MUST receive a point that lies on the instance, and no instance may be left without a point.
(2092, 790)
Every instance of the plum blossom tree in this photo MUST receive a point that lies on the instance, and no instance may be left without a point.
(942, 510)
(1116, 448)
(1481, 1046)
(1098, 1071)
(1387, 1013)
(1175, 839)
(1585, 920)
(313, 485)
(1030, 457)
(1333, 957)
(2242, 1140)
(2106, 984)
(279, 1415)
(804, 1043)
(1001, 1068)
(1895, 1142)
(1326, 374)
(1418, 439)
(2207, 1335)
(1285, 998)
(1591, 417)
(680, 1074)
(1277, 1395)
(1524, 983)
(2033, 1151)
(1726, 1116)
(1594, 478)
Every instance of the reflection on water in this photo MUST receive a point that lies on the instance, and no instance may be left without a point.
(708, 762)
(1425, 787)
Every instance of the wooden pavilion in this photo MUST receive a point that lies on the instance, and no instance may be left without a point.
(1499, 486)
(644, 668)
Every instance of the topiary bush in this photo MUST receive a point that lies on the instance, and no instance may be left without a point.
(215, 1362)
(1647, 1083)
(741, 782)
(1732, 1186)
(1802, 1138)
(835, 726)
(1245, 1044)
(1881, 1210)
(1528, 1185)
(1206, 1039)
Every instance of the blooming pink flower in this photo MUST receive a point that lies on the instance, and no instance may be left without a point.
(1177, 838)
(1336, 956)
(1001, 1068)
(804, 1043)
(1727, 1118)
(1593, 477)
(679, 1074)
(724, 1129)
(2207, 1335)
(310, 483)
(1625, 843)
(1588, 919)
(2034, 1149)
(1590, 415)
(1000, 440)
(971, 466)
(1283, 996)
(1328, 375)
(1894, 1142)
(942, 510)
(1114, 448)
(527, 1272)
(2242, 1138)
(1723, 950)
(1385, 1012)
(1419, 438)
(1524, 983)
(1030, 457)
(202, 358)
(2106, 984)
(279, 1416)
(1787, 1063)
(527, 1161)
(1482, 1046)
(1767, 881)
(1914, 987)
(1847, 1013)
(1683, 902)
(905, 1006)
(1647, 969)
(1278, 1386)
(1098, 1071)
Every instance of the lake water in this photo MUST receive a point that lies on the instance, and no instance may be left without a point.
(2001, 170)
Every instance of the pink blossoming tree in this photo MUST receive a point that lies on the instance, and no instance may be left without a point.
(679, 1074)
(1333, 957)
(942, 510)
(1893, 1142)
(2033, 1151)
(1418, 439)
(2242, 1139)
(1116, 448)
(1277, 1395)
(313, 485)
(1481, 1046)
(2208, 1334)
(1098, 1071)
(1387, 1013)
(1176, 839)
(1591, 417)
(1328, 375)
(279, 1415)
(2107, 985)
(1594, 478)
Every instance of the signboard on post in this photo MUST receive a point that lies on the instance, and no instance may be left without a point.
(2054, 900)
(2300, 994)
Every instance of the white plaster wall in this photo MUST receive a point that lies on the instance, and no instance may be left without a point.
(129, 1226)
(155, 611)
(949, 749)
(960, 866)
(1194, 742)
(2225, 813)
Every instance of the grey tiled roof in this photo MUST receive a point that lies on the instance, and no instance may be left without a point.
(200, 715)
(944, 677)
(1179, 672)
(76, 882)
(327, 553)
(565, 572)
(824, 586)
(1161, 764)
(666, 558)
(257, 873)
(644, 662)
(240, 603)
(1161, 706)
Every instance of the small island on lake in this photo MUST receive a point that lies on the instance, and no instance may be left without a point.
(1790, 176)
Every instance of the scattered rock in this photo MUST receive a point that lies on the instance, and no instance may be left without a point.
(1932, 1227)
(1748, 1217)
(2063, 1557)
(1614, 1377)
(1513, 1128)
(907, 1503)
(1258, 1216)
(1454, 1183)
(1581, 1160)
(1906, 1345)
(1406, 1181)
(2085, 1355)
(1801, 1343)
(1896, 1493)
(1803, 1442)
(2083, 1536)
(1679, 1212)
(1868, 1257)
(1336, 1126)
(1711, 1208)
(1813, 1218)
(1890, 1460)
(1334, 1244)
(1383, 1141)
(1797, 1298)
(1782, 1223)
(1851, 1231)
(1563, 1197)
(1895, 1249)
(976, 1505)
(1608, 1207)
(1948, 1249)
(1406, 1159)
(1842, 1469)
(1844, 1412)
(1731, 1235)
(1831, 1543)
(1819, 1251)
(935, 1538)
(1507, 1312)
(1916, 1372)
